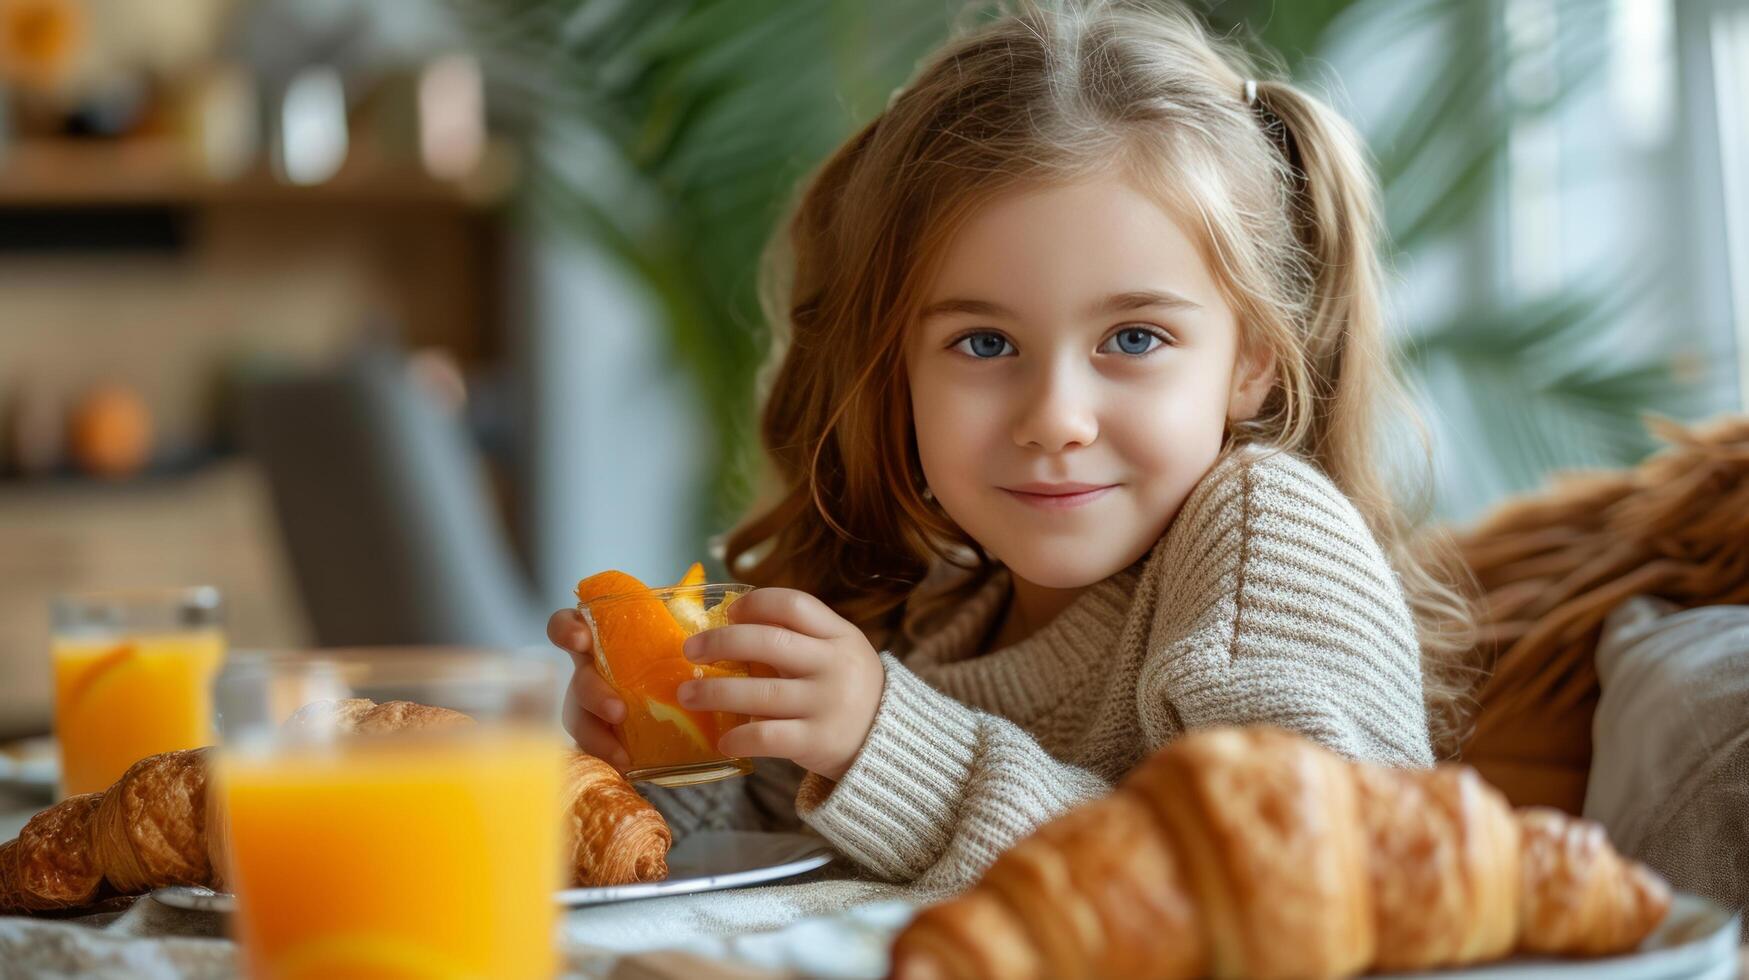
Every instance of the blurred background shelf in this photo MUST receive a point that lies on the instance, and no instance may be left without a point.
(195, 199)
(82, 172)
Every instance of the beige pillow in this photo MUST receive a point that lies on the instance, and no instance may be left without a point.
(1670, 763)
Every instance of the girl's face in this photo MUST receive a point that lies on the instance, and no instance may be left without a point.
(1072, 376)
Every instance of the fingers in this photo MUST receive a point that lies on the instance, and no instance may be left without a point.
(567, 631)
(784, 738)
(763, 697)
(791, 609)
(793, 654)
(591, 706)
(593, 736)
(593, 694)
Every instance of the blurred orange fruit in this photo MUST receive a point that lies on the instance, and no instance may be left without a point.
(40, 40)
(111, 432)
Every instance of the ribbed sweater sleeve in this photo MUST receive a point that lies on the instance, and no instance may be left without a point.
(939, 789)
(1283, 610)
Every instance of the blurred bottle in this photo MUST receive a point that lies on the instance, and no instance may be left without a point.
(218, 121)
(452, 117)
(310, 126)
(432, 117)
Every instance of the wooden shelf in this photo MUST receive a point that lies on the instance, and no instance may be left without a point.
(65, 172)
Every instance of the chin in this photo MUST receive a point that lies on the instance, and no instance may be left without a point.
(1059, 571)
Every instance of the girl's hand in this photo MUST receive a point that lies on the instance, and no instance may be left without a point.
(819, 708)
(590, 704)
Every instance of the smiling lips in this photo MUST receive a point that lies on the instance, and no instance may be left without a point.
(1058, 496)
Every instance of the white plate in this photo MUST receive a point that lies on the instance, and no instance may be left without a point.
(705, 861)
(31, 764)
(711, 860)
(1696, 941)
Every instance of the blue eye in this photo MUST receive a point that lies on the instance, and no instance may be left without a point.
(1134, 341)
(983, 345)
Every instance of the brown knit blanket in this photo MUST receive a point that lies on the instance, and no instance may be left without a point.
(1553, 565)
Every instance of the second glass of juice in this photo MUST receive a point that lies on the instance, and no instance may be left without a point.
(431, 852)
(637, 639)
(133, 676)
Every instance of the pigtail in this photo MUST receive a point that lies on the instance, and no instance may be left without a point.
(1336, 217)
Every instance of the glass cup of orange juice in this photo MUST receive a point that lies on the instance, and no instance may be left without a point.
(133, 677)
(637, 640)
(416, 853)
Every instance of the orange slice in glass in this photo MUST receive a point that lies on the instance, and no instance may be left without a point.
(106, 664)
(687, 608)
(638, 650)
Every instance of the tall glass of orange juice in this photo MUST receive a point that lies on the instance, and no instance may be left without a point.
(133, 677)
(432, 852)
(637, 639)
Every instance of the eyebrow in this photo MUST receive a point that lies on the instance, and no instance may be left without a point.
(1134, 299)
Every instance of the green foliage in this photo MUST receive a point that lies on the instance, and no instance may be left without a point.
(1518, 386)
(675, 133)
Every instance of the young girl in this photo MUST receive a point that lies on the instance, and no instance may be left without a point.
(1073, 438)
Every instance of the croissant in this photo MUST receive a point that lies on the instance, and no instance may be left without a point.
(145, 831)
(159, 826)
(1255, 852)
(617, 836)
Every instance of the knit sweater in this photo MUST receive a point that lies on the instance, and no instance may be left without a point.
(1267, 601)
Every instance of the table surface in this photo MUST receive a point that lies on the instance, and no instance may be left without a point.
(16, 807)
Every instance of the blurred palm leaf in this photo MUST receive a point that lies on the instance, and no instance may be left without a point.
(1521, 387)
(675, 133)
(1531, 390)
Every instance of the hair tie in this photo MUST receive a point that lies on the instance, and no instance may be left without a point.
(1250, 91)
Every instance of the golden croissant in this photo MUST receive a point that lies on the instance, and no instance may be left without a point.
(1256, 853)
(159, 826)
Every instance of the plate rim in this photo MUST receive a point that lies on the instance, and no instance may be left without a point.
(31, 773)
(585, 896)
(1654, 963)
(818, 854)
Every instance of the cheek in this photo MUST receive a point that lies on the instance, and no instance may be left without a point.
(1175, 430)
(953, 423)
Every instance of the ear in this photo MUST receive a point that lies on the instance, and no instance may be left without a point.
(1253, 379)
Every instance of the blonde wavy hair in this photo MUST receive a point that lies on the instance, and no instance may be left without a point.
(1276, 184)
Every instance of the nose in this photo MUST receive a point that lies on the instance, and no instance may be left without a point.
(1058, 411)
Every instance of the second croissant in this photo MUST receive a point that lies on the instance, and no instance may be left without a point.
(1257, 853)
